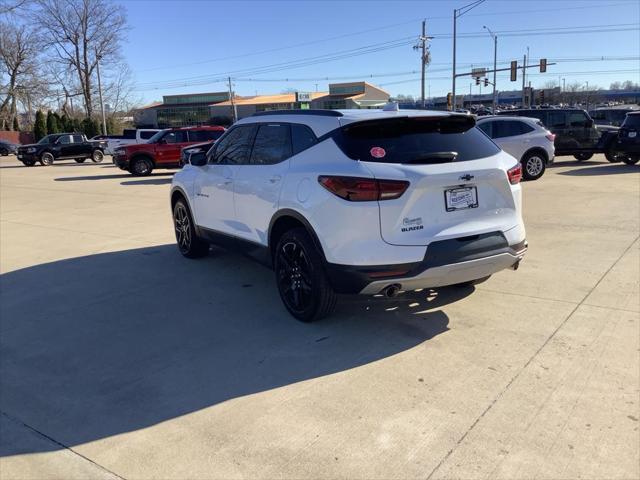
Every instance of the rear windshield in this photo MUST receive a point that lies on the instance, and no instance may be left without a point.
(421, 140)
(632, 121)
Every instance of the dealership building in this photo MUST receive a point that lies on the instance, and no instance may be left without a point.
(207, 108)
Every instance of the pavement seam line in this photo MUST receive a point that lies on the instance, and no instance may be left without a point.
(535, 354)
(66, 447)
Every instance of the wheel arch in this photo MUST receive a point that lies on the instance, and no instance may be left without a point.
(285, 220)
(538, 150)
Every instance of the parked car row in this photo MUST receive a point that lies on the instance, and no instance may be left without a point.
(61, 146)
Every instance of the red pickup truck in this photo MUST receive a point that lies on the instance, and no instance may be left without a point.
(163, 149)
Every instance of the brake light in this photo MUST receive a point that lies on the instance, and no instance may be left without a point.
(515, 174)
(355, 189)
(551, 137)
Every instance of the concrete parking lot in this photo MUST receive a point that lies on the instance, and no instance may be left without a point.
(121, 359)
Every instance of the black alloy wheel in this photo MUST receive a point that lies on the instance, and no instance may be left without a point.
(141, 167)
(301, 279)
(46, 159)
(189, 244)
(97, 156)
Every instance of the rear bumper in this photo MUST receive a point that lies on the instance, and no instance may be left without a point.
(445, 263)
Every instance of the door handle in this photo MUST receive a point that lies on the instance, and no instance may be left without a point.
(275, 179)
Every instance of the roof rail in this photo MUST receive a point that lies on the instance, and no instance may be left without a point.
(309, 111)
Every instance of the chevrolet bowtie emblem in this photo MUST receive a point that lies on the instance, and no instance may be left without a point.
(466, 178)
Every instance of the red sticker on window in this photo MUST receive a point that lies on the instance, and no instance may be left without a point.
(377, 152)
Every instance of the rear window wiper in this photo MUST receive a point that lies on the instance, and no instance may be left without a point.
(434, 157)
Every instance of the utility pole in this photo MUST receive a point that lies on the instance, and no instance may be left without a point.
(424, 54)
(524, 63)
(458, 13)
(104, 119)
(233, 103)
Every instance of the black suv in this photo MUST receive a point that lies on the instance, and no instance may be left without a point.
(61, 146)
(628, 142)
(576, 133)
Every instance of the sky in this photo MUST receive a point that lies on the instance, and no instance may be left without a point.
(267, 47)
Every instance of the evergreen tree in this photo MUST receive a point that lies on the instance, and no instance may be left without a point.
(59, 122)
(16, 124)
(52, 124)
(90, 127)
(40, 127)
(76, 125)
(66, 124)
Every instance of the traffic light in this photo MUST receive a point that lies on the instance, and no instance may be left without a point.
(449, 100)
(514, 70)
(541, 97)
(477, 80)
(486, 82)
(543, 65)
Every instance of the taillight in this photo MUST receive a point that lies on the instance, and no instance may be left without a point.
(357, 189)
(551, 137)
(515, 174)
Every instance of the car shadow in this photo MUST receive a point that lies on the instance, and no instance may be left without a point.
(149, 181)
(575, 163)
(608, 169)
(107, 177)
(120, 341)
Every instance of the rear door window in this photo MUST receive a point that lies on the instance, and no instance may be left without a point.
(632, 121)
(420, 140)
(556, 120)
(77, 139)
(272, 144)
(507, 128)
(147, 135)
(64, 140)
(204, 135)
(129, 134)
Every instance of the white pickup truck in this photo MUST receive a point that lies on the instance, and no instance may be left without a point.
(129, 136)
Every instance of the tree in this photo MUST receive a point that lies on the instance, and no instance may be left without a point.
(615, 86)
(16, 124)
(18, 52)
(66, 123)
(81, 32)
(90, 127)
(40, 127)
(52, 123)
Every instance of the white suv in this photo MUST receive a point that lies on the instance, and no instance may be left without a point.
(525, 139)
(354, 201)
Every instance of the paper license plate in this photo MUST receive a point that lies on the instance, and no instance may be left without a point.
(460, 198)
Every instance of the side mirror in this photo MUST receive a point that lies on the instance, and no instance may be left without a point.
(589, 123)
(197, 159)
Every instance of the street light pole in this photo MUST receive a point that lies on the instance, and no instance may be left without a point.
(104, 119)
(495, 65)
(458, 13)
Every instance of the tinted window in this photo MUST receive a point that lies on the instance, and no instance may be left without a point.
(129, 134)
(415, 140)
(204, 135)
(147, 135)
(301, 138)
(487, 127)
(64, 139)
(179, 136)
(617, 116)
(77, 139)
(272, 144)
(577, 119)
(555, 120)
(632, 121)
(235, 146)
(598, 114)
(507, 128)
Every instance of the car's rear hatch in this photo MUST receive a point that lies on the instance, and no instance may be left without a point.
(458, 181)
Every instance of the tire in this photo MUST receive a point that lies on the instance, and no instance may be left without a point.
(631, 160)
(141, 167)
(46, 159)
(472, 283)
(4, 152)
(300, 275)
(97, 156)
(29, 163)
(533, 165)
(80, 160)
(612, 155)
(581, 157)
(189, 244)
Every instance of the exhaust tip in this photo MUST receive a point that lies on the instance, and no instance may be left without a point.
(391, 291)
